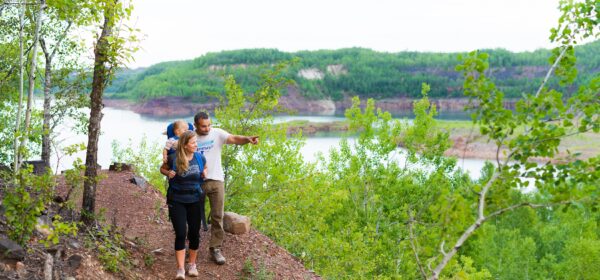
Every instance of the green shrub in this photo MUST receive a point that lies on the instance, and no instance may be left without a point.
(24, 202)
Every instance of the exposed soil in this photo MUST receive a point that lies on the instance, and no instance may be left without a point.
(141, 217)
(142, 214)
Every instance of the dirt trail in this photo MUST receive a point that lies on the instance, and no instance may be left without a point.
(142, 215)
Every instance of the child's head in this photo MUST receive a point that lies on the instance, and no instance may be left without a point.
(179, 127)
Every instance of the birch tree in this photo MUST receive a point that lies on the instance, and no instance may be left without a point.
(32, 75)
(535, 129)
(58, 45)
(20, 102)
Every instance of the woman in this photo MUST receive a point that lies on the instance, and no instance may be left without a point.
(185, 171)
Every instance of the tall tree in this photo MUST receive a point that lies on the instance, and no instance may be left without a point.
(110, 51)
(20, 102)
(48, 55)
(32, 75)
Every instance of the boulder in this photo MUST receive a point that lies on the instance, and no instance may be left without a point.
(139, 181)
(74, 244)
(10, 249)
(73, 262)
(235, 223)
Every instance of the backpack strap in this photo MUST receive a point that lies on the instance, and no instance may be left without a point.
(201, 162)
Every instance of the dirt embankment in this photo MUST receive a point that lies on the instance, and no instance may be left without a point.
(142, 214)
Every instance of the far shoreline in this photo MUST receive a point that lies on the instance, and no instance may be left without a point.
(466, 141)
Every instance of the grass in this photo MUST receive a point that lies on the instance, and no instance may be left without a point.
(585, 143)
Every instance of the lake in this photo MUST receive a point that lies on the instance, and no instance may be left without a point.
(126, 126)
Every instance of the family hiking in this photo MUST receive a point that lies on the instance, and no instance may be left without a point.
(192, 163)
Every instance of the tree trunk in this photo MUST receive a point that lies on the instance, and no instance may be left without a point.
(98, 83)
(26, 128)
(16, 163)
(47, 85)
(48, 128)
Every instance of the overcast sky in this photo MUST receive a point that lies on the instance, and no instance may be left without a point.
(186, 29)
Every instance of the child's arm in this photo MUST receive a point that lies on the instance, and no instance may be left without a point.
(168, 145)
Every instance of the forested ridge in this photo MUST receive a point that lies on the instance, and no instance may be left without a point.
(345, 72)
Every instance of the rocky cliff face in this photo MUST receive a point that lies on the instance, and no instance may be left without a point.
(181, 106)
(162, 107)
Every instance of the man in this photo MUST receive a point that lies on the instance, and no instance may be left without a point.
(210, 142)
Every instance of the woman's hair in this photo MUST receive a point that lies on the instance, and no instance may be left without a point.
(180, 124)
(181, 161)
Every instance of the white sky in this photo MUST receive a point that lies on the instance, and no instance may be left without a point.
(186, 29)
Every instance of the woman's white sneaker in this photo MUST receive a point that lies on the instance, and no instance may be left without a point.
(180, 274)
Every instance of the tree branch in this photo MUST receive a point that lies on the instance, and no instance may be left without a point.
(524, 204)
(469, 231)
(556, 62)
(63, 36)
(414, 246)
(9, 72)
(442, 248)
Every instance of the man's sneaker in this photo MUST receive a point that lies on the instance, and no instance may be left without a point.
(180, 274)
(192, 271)
(217, 256)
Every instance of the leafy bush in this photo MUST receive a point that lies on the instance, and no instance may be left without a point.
(24, 202)
(59, 229)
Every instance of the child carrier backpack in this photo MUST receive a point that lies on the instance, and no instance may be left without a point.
(171, 132)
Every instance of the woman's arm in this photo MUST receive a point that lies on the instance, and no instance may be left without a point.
(204, 172)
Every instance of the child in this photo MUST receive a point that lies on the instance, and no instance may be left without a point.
(179, 127)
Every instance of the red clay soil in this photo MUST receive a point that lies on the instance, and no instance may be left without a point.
(141, 214)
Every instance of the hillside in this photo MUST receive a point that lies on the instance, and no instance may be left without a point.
(140, 215)
(336, 74)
